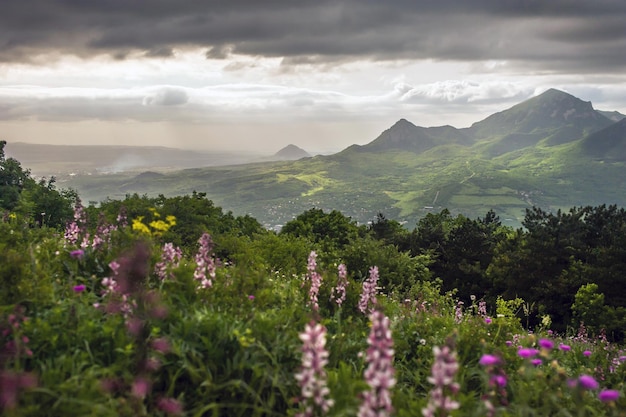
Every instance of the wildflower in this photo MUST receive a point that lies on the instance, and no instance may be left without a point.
(170, 258)
(74, 229)
(498, 380)
(204, 262)
(379, 374)
(79, 288)
(587, 353)
(565, 348)
(170, 406)
(458, 312)
(587, 382)
(536, 362)
(608, 395)
(316, 281)
(527, 352)
(312, 376)
(140, 388)
(488, 320)
(482, 308)
(161, 345)
(77, 254)
(251, 297)
(368, 296)
(546, 344)
(489, 360)
(339, 292)
(443, 371)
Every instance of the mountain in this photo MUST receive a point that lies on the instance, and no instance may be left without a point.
(291, 152)
(555, 117)
(553, 151)
(614, 116)
(405, 136)
(608, 143)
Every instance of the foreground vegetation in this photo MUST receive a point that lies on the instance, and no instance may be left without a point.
(169, 306)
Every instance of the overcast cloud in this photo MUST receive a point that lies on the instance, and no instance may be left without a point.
(324, 63)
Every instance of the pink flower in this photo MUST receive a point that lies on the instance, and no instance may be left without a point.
(536, 362)
(499, 380)
(161, 345)
(251, 297)
(608, 395)
(170, 406)
(489, 360)
(444, 369)
(587, 353)
(140, 388)
(488, 320)
(77, 254)
(316, 281)
(565, 348)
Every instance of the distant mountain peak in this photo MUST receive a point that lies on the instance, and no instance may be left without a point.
(291, 152)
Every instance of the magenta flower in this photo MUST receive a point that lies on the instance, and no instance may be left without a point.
(587, 382)
(587, 353)
(77, 254)
(161, 345)
(546, 344)
(170, 259)
(489, 360)
(79, 288)
(565, 348)
(499, 380)
(527, 352)
(488, 320)
(368, 296)
(251, 297)
(536, 362)
(608, 395)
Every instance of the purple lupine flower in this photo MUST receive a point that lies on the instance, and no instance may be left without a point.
(74, 229)
(368, 296)
(339, 292)
(458, 312)
(312, 375)
(444, 370)
(103, 234)
(316, 281)
(204, 262)
(379, 374)
(482, 308)
(170, 258)
(608, 395)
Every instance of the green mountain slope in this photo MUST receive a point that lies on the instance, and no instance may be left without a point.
(554, 151)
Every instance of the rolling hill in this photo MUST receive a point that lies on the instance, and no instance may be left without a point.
(554, 150)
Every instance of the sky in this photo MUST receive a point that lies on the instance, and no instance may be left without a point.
(257, 75)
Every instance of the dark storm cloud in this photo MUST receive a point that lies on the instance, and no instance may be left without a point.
(551, 35)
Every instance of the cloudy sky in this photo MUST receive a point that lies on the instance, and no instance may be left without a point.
(321, 74)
